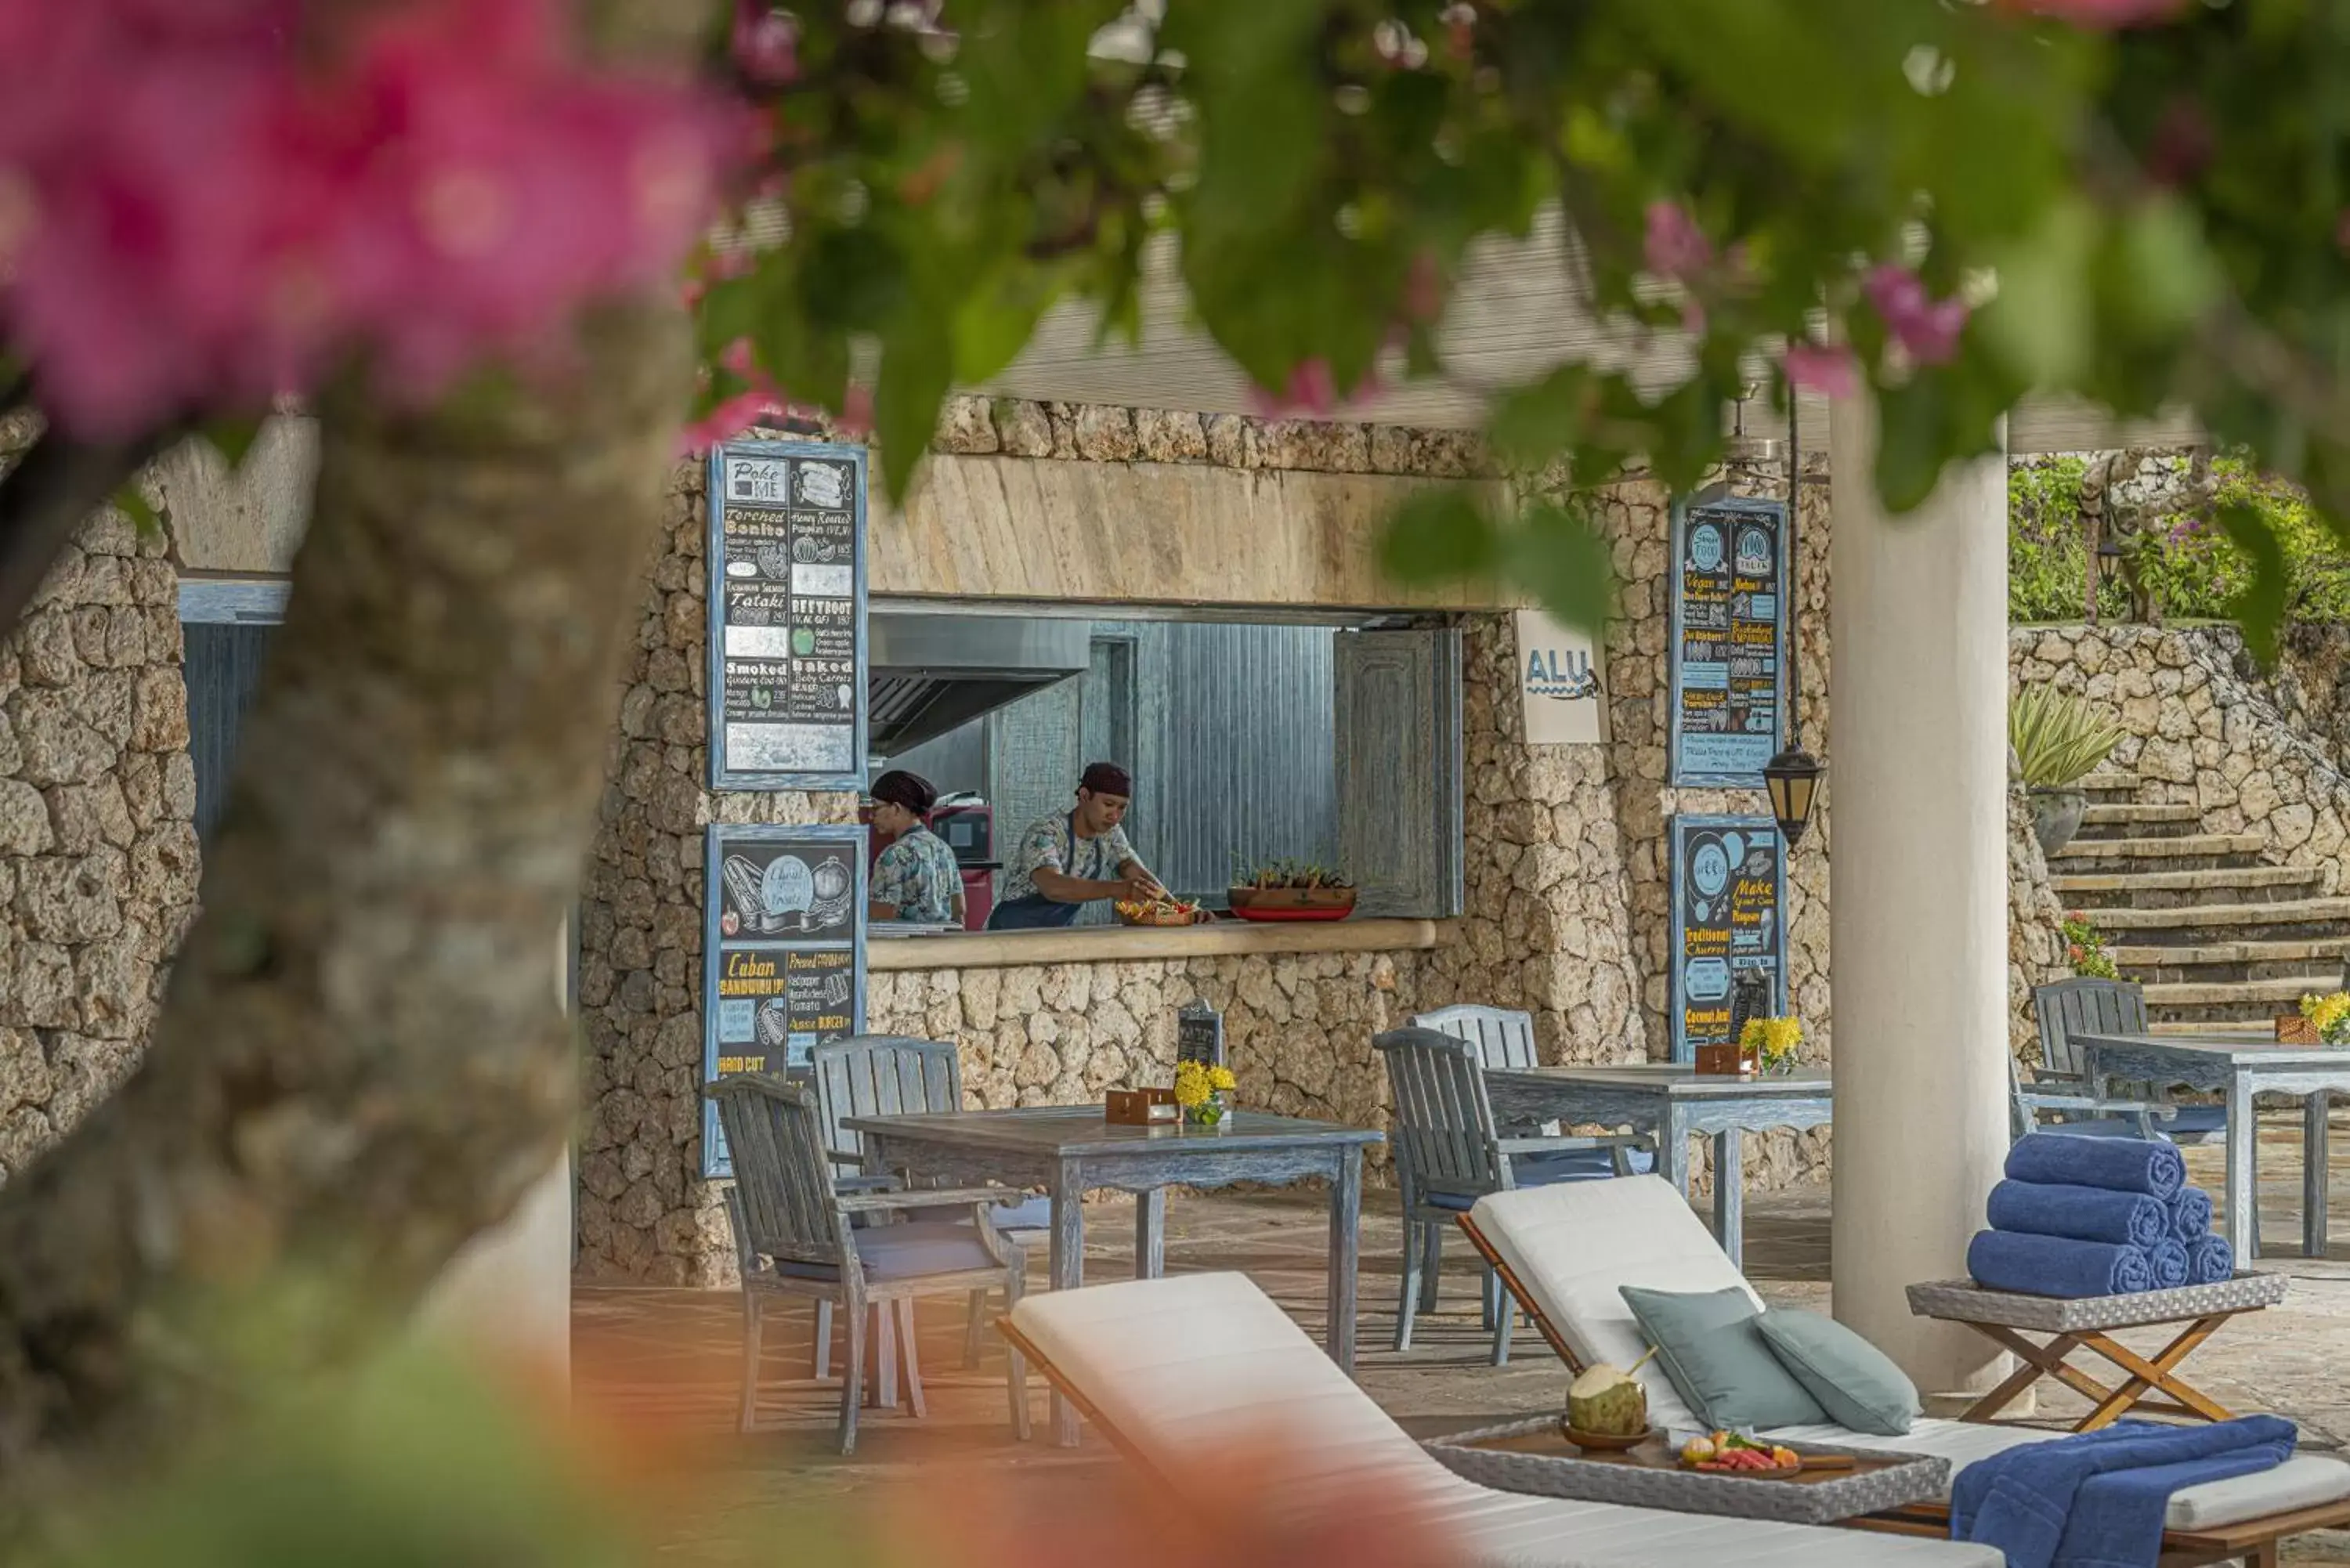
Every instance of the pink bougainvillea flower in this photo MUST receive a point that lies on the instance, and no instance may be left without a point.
(1829, 371)
(765, 43)
(1674, 247)
(1423, 290)
(1925, 327)
(1310, 389)
(227, 218)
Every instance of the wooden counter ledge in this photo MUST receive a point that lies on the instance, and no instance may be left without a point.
(1134, 944)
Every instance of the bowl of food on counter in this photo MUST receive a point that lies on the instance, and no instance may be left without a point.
(1167, 911)
(1292, 890)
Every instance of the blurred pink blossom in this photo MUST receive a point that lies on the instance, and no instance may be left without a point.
(1829, 371)
(1674, 247)
(1925, 327)
(765, 43)
(196, 217)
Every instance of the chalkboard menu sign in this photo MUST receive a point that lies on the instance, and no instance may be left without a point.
(787, 547)
(1200, 1034)
(782, 948)
(1729, 639)
(1729, 922)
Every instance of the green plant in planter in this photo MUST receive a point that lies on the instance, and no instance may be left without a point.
(2058, 739)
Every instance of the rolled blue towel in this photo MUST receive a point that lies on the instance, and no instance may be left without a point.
(2052, 1266)
(2169, 1261)
(2079, 1213)
(2210, 1260)
(2124, 1164)
(2190, 1214)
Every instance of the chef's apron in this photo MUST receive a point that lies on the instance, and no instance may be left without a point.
(1037, 912)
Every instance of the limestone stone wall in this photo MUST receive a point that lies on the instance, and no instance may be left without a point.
(2035, 938)
(2205, 727)
(98, 850)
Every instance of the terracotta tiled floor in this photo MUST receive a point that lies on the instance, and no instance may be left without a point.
(673, 1356)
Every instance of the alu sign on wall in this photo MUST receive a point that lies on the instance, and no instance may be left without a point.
(1728, 647)
(1729, 880)
(787, 653)
(1562, 686)
(782, 948)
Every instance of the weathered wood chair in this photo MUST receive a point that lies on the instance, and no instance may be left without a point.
(1503, 1037)
(889, 1076)
(1446, 1141)
(796, 1233)
(2066, 1011)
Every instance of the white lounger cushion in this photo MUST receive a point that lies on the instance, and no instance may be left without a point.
(1192, 1363)
(1573, 1246)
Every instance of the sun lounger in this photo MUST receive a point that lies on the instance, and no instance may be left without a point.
(1190, 1364)
(1565, 1252)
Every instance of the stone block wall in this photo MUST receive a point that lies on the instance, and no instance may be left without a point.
(97, 849)
(2204, 726)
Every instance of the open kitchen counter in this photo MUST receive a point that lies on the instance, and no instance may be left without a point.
(1127, 944)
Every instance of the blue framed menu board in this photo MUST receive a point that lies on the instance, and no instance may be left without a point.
(1729, 877)
(788, 659)
(782, 954)
(1728, 644)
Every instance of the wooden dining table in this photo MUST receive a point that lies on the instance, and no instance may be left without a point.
(1070, 1150)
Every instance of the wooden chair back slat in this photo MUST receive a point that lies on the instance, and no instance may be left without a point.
(883, 1075)
(783, 1179)
(2068, 1009)
(1443, 1121)
(1504, 1038)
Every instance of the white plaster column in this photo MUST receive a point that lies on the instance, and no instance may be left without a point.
(1917, 891)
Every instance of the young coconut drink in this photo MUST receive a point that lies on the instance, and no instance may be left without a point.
(1608, 1403)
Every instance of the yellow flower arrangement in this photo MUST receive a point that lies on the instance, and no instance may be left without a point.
(1774, 1041)
(1197, 1084)
(2330, 1016)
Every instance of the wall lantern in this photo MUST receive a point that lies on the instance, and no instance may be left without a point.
(1792, 778)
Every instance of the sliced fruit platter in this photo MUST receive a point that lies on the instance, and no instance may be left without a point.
(1162, 912)
(1733, 1453)
(1290, 890)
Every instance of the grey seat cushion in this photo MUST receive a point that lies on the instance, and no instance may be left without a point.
(905, 1252)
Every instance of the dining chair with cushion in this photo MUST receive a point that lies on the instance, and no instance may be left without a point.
(2065, 1011)
(796, 1233)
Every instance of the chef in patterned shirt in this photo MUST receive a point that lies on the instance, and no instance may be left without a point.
(917, 878)
(1062, 863)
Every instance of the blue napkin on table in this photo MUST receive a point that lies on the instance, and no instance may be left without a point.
(2081, 1213)
(2171, 1264)
(2096, 1499)
(2055, 1266)
(2190, 1214)
(2124, 1164)
(2210, 1260)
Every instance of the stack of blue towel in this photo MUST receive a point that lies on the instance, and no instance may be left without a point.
(2097, 1217)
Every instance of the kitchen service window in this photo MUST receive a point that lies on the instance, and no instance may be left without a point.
(1331, 742)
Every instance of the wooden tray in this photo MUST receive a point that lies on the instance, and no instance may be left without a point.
(1309, 913)
(1535, 1457)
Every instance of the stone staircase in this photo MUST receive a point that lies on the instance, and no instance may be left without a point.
(2217, 936)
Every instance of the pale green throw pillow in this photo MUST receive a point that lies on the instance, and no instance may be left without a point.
(1855, 1383)
(1710, 1346)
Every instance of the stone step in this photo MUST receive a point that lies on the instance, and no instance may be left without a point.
(2180, 890)
(2196, 925)
(2251, 959)
(2256, 1002)
(2132, 819)
(2185, 852)
(2109, 788)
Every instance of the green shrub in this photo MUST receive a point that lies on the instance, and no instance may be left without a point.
(2196, 573)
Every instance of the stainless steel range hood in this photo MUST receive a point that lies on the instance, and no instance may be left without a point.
(932, 673)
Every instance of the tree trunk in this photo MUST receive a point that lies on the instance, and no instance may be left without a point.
(361, 1062)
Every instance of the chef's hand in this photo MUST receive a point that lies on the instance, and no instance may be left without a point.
(1142, 888)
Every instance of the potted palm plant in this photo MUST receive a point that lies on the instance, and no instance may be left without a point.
(2059, 740)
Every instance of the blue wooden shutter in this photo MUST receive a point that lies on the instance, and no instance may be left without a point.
(1396, 704)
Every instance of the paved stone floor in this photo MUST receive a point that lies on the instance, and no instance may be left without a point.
(671, 1358)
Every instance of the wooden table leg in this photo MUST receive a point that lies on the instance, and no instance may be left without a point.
(1730, 1194)
(2314, 1126)
(2242, 1197)
(1345, 1240)
(2147, 1375)
(2039, 1361)
(1150, 1234)
(1068, 1271)
(1672, 1152)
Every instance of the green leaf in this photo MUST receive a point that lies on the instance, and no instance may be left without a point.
(1440, 534)
(233, 439)
(2259, 607)
(133, 505)
(1533, 423)
(1911, 441)
(1562, 561)
(916, 372)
